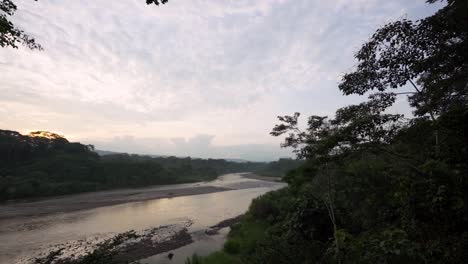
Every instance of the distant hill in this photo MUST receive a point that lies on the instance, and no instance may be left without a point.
(237, 160)
(105, 152)
(43, 163)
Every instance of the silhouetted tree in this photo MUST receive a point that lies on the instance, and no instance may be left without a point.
(429, 55)
(156, 2)
(11, 35)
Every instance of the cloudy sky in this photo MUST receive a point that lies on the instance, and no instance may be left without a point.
(202, 78)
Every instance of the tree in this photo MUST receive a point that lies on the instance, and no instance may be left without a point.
(156, 2)
(354, 127)
(429, 55)
(12, 36)
(386, 163)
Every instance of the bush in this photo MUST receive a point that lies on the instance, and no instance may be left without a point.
(232, 246)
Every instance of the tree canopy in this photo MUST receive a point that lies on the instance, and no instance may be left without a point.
(43, 163)
(376, 187)
(10, 35)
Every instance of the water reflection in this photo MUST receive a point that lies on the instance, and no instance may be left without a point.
(203, 246)
(204, 210)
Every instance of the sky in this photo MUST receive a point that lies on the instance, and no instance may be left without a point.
(200, 78)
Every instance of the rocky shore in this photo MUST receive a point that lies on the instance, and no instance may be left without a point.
(127, 247)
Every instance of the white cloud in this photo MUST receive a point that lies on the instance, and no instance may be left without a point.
(220, 68)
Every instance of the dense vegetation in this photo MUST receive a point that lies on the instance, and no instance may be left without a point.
(44, 163)
(376, 187)
(278, 168)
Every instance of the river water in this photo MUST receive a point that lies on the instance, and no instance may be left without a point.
(23, 237)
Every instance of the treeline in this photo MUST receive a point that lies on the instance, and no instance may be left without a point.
(45, 164)
(376, 187)
(278, 168)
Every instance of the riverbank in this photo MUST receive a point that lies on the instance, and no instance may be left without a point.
(254, 176)
(92, 200)
(127, 247)
(27, 230)
(70, 203)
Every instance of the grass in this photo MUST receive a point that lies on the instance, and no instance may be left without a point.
(219, 257)
(241, 242)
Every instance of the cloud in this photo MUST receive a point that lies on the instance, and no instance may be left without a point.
(219, 68)
(199, 146)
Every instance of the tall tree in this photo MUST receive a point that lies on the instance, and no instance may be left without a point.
(429, 55)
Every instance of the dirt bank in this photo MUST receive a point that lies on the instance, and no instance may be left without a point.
(97, 199)
(254, 176)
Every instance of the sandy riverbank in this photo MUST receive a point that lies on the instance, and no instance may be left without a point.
(84, 201)
(260, 178)
(31, 227)
(70, 203)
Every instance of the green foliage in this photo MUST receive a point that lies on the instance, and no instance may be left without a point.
(429, 54)
(232, 246)
(375, 187)
(279, 168)
(10, 35)
(44, 164)
(215, 258)
(271, 207)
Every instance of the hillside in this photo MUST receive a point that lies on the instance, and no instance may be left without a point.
(45, 164)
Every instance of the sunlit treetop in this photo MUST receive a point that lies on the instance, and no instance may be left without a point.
(45, 134)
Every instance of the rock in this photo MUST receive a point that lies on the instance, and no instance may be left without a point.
(170, 255)
(211, 232)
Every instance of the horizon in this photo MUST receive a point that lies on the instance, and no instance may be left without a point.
(233, 131)
(190, 79)
(46, 134)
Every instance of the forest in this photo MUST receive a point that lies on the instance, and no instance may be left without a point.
(46, 164)
(370, 185)
(376, 187)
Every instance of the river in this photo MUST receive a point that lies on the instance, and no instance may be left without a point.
(28, 228)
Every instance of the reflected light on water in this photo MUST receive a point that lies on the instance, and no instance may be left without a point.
(204, 210)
